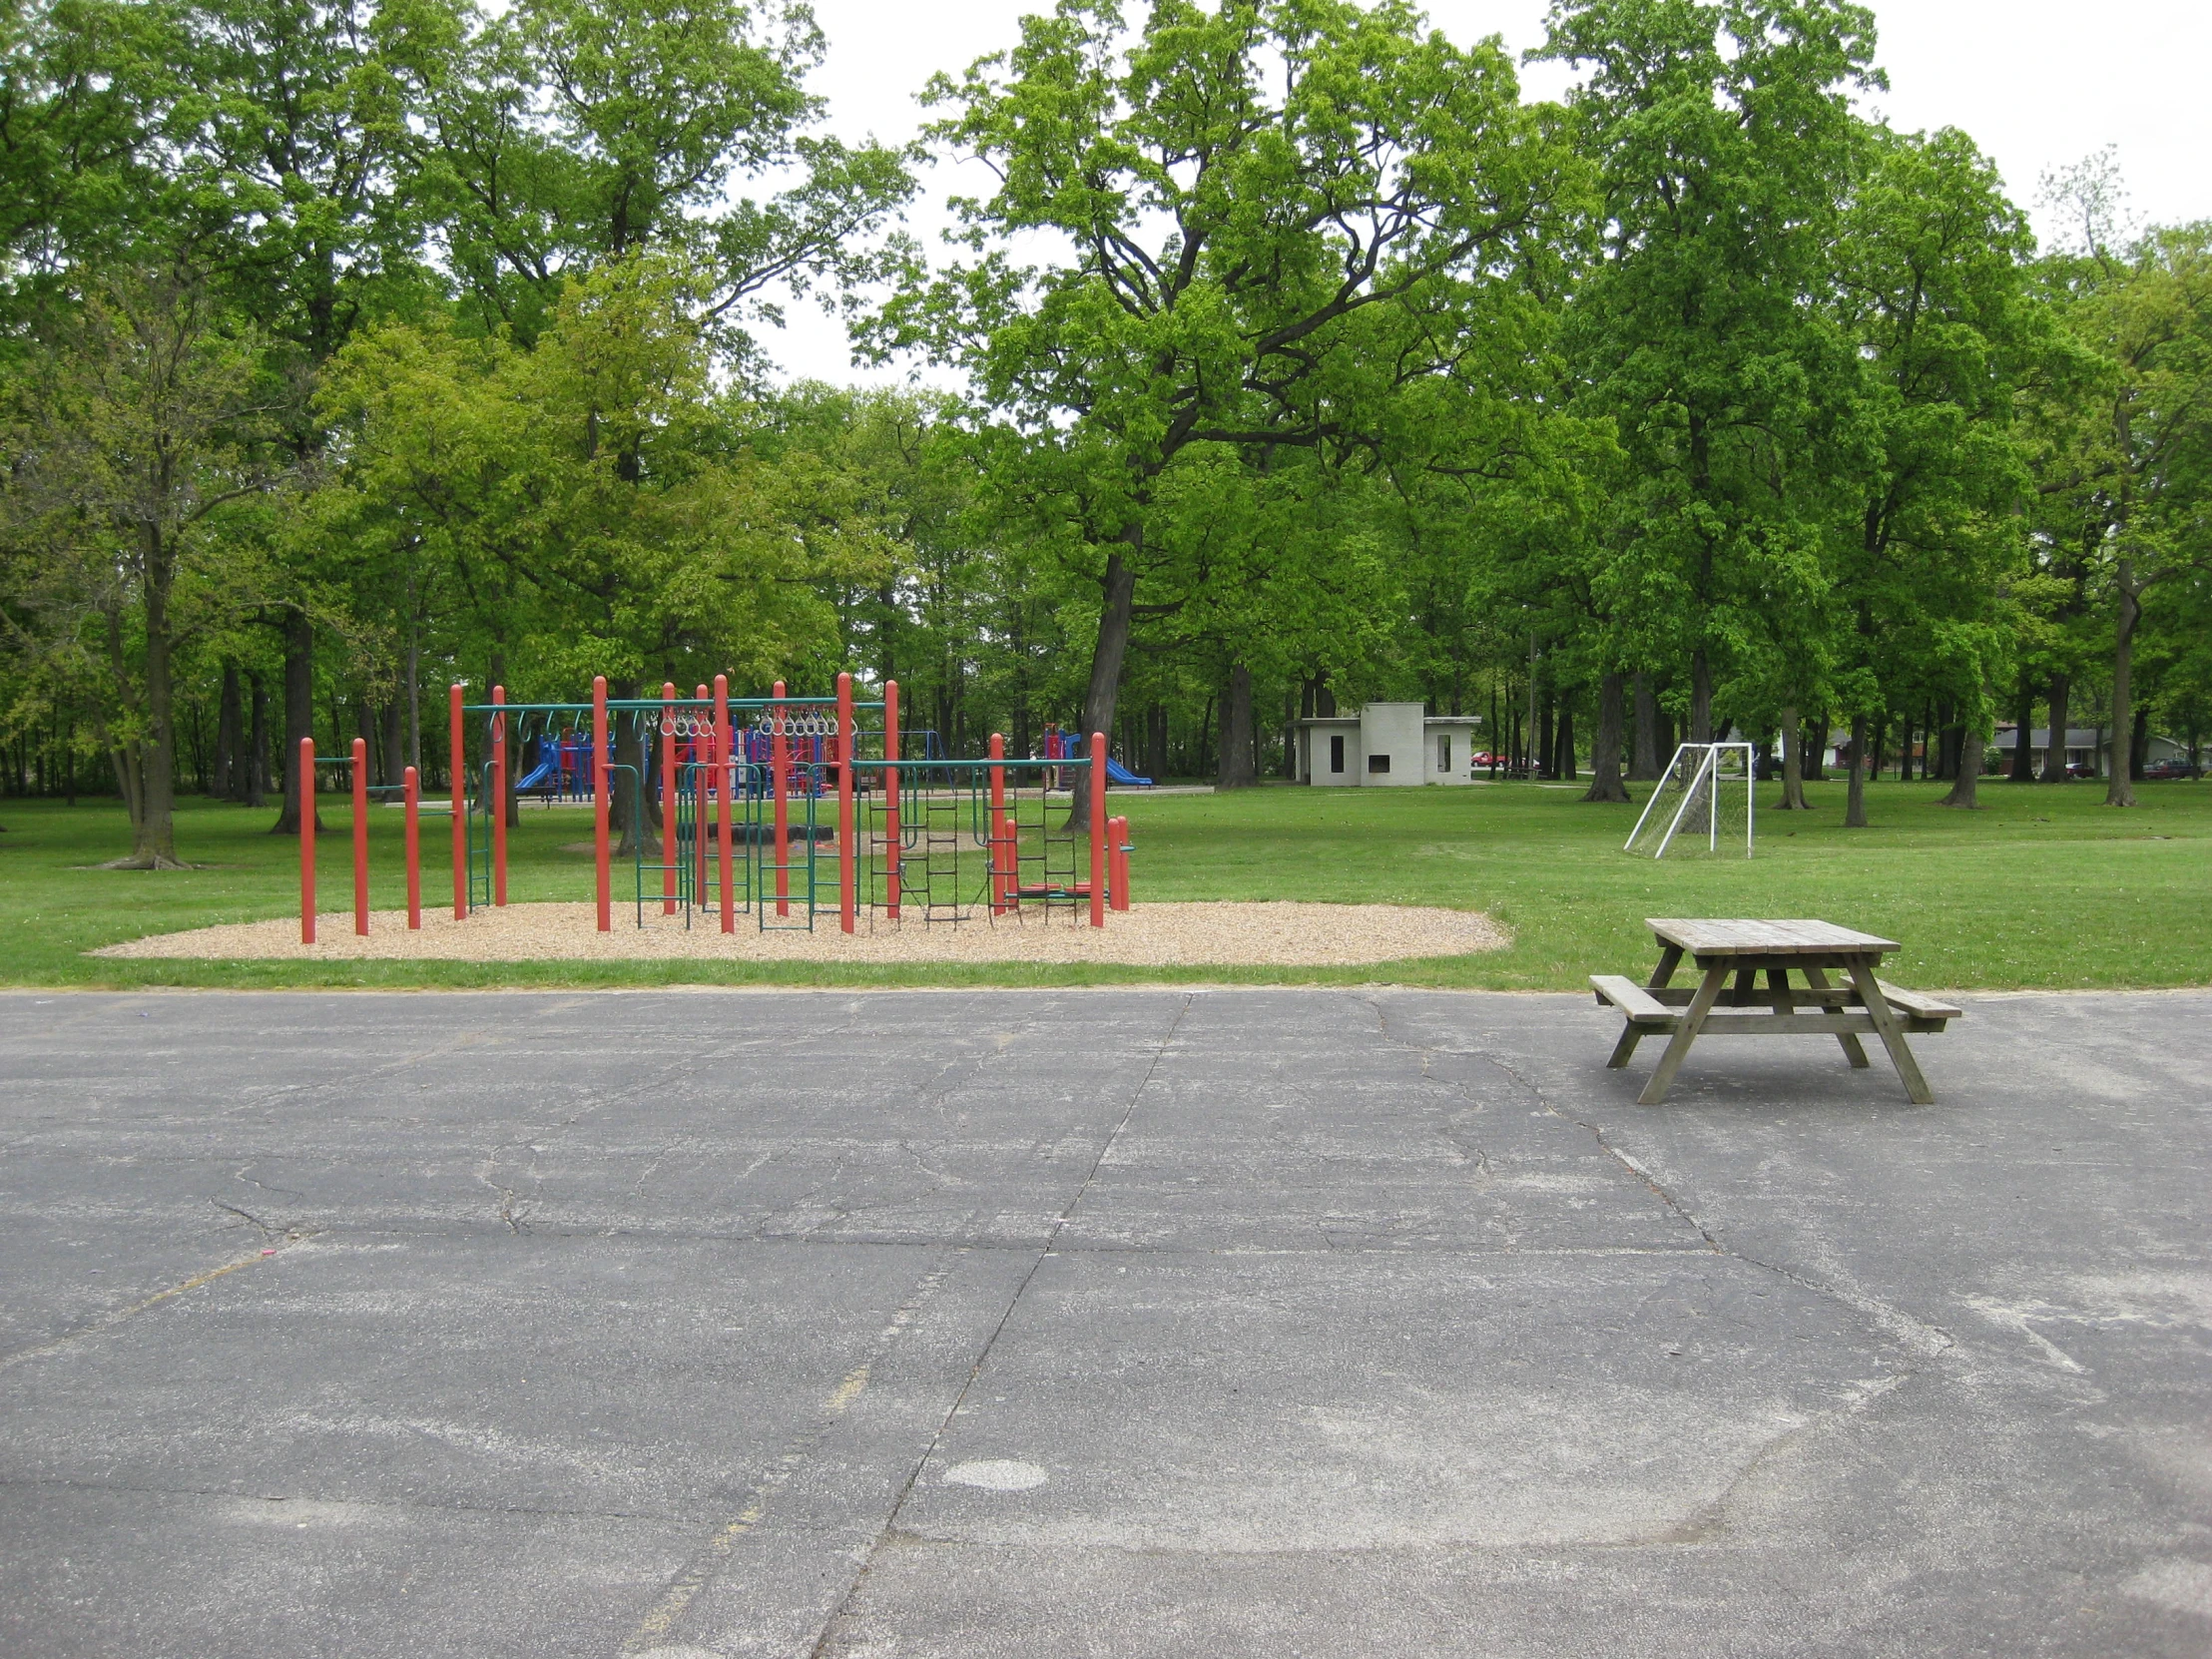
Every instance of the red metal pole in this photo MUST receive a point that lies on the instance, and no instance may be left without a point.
(892, 846)
(306, 840)
(848, 746)
(702, 761)
(780, 759)
(1117, 860)
(459, 769)
(499, 800)
(1001, 888)
(725, 777)
(360, 836)
(599, 781)
(413, 782)
(1098, 828)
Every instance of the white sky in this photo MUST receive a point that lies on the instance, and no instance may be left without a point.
(2039, 83)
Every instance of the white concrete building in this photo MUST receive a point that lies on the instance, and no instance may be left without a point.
(1389, 744)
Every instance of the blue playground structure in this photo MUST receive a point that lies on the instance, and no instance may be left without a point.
(1066, 746)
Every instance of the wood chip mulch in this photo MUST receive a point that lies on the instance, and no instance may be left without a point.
(1282, 933)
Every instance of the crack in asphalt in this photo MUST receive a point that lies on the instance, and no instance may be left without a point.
(982, 1356)
(708, 1560)
(1917, 1335)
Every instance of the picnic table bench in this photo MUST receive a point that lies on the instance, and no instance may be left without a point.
(1744, 950)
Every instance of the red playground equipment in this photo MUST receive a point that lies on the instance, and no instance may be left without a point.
(782, 808)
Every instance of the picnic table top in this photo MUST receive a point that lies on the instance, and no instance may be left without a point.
(1742, 938)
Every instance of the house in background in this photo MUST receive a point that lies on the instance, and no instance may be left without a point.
(1386, 744)
(2086, 746)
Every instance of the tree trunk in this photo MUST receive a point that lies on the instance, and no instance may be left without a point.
(396, 743)
(412, 689)
(153, 821)
(1855, 798)
(1964, 756)
(1530, 756)
(1565, 767)
(2054, 756)
(1701, 696)
(1793, 765)
(1815, 750)
(1542, 762)
(1237, 765)
(298, 720)
(1643, 765)
(1119, 592)
(1605, 753)
(252, 788)
(2023, 733)
(2119, 786)
(365, 720)
(229, 735)
(2139, 746)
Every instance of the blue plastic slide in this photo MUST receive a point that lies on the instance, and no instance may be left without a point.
(545, 776)
(1116, 773)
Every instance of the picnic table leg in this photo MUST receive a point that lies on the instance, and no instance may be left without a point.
(1893, 1038)
(1685, 1033)
(1670, 958)
(1747, 981)
(1853, 1050)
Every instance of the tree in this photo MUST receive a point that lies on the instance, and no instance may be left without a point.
(1725, 142)
(2126, 474)
(1228, 242)
(75, 108)
(139, 424)
(1929, 294)
(565, 133)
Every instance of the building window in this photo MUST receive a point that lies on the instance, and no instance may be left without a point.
(1444, 754)
(1337, 754)
(1378, 763)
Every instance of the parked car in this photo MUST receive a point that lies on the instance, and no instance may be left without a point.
(2080, 769)
(2168, 768)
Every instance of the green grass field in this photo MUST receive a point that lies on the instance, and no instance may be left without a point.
(2044, 886)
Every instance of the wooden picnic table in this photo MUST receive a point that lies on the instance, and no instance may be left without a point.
(1743, 951)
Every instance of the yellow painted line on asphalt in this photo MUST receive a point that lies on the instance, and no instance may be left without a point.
(652, 1630)
(115, 1319)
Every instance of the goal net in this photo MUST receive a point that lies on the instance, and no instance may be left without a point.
(1702, 806)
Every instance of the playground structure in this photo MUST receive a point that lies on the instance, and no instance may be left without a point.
(752, 793)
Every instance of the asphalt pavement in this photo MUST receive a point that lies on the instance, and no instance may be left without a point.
(1130, 1323)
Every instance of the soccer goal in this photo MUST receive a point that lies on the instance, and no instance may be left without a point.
(1704, 797)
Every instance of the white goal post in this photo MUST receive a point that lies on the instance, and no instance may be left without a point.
(1696, 801)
